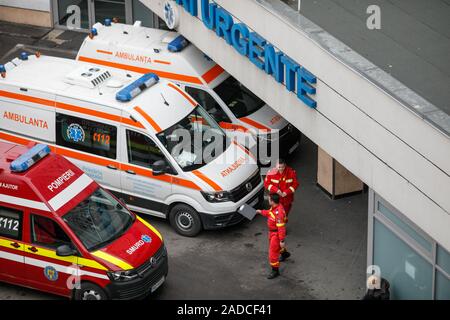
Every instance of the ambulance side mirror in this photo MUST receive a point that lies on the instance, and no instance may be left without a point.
(159, 167)
(65, 251)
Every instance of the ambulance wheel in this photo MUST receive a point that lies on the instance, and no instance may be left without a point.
(185, 220)
(90, 291)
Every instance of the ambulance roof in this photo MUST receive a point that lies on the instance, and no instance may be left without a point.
(44, 185)
(131, 42)
(74, 83)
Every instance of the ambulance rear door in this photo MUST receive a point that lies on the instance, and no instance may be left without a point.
(86, 134)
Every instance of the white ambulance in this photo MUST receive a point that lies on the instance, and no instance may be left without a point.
(142, 138)
(169, 55)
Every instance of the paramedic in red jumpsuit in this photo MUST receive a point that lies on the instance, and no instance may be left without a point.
(282, 180)
(277, 233)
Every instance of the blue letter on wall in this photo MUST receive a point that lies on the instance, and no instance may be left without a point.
(190, 6)
(224, 22)
(304, 88)
(239, 37)
(273, 64)
(256, 49)
(291, 69)
(209, 14)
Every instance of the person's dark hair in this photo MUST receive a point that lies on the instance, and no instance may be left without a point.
(281, 161)
(275, 197)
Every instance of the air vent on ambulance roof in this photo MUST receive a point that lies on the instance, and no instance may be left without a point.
(88, 77)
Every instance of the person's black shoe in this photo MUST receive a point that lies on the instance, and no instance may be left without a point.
(284, 256)
(275, 273)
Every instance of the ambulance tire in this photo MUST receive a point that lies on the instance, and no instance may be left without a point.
(185, 220)
(90, 291)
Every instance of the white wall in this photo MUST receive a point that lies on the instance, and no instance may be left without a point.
(393, 150)
(41, 5)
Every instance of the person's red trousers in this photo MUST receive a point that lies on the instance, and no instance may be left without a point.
(274, 249)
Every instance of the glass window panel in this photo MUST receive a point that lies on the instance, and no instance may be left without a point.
(142, 13)
(110, 9)
(406, 228)
(443, 259)
(442, 287)
(73, 14)
(409, 274)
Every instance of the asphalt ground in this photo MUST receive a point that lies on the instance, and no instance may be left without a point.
(327, 238)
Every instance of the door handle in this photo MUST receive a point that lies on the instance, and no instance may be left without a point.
(112, 167)
(15, 245)
(33, 249)
(130, 172)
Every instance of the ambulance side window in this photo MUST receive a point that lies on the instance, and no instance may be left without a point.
(46, 232)
(142, 151)
(209, 104)
(10, 223)
(86, 135)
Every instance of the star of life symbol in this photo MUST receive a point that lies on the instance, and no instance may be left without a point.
(170, 15)
(75, 132)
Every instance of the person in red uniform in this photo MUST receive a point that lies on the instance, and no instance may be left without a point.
(282, 180)
(277, 233)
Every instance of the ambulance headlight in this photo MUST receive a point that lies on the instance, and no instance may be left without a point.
(122, 275)
(221, 196)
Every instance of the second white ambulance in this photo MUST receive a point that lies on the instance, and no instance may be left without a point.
(237, 110)
(123, 129)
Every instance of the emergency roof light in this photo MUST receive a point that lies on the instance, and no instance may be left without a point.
(29, 158)
(178, 44)
(2, 68)
(23, 56)
(107, 22)
(137, 87)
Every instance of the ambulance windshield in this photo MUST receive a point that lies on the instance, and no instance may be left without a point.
(194, 141)
(241, 101)
(98, 220)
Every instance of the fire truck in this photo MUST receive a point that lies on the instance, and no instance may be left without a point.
(62, 233)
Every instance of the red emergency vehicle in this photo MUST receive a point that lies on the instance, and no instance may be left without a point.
(62, 233)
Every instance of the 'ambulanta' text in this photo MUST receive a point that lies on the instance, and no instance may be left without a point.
(61, 180)
(133, 57)
(233, 167)
(25, 120)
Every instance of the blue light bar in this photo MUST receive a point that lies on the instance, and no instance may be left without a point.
(2, 68)
(177, 44)
(23, 56)
(26, 160)
(94, 32)
(138, 86)
(107, 22)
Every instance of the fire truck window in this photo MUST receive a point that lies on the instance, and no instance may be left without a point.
(10, 223)
(142, 150)
(46, 232)
(86, 135)
(209, 104)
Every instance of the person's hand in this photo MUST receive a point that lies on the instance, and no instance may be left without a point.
(283, 194)
(282, 244)
(258, 211)
(280, 193)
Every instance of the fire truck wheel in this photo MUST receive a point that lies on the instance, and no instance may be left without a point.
(185, 220)
(90, 291)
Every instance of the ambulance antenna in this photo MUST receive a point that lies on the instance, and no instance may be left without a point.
(165, 101)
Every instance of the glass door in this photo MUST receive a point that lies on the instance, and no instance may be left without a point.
(103, 9)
